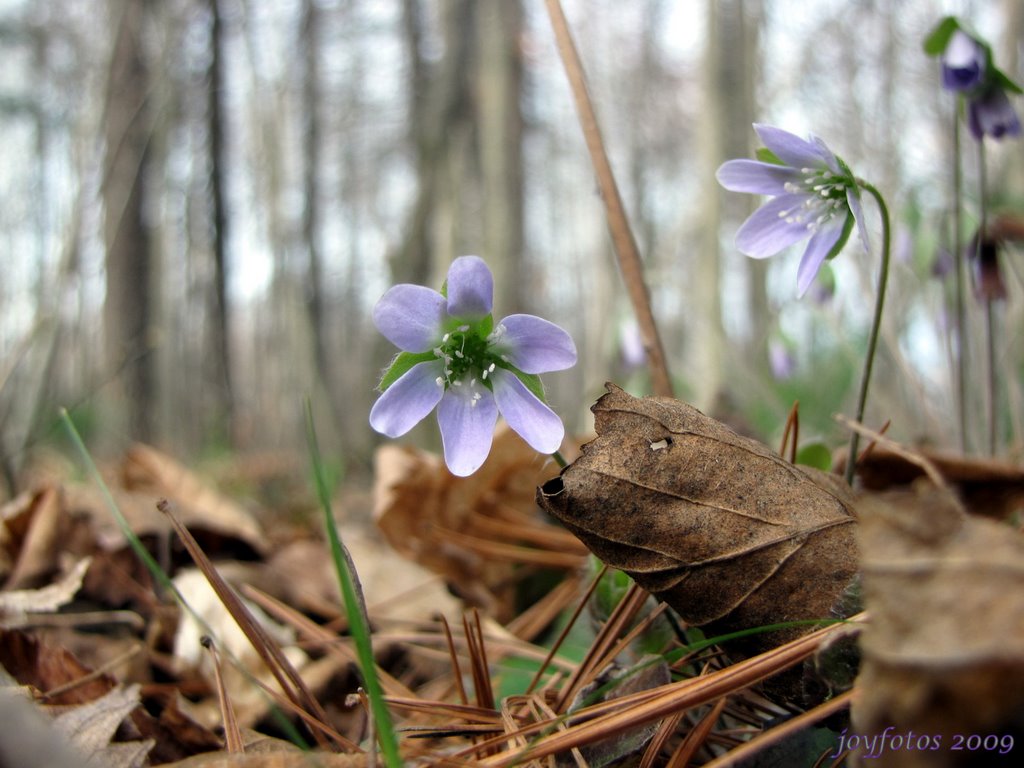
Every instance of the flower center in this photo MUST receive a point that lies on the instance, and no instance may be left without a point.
(824, 196)
(468, 359)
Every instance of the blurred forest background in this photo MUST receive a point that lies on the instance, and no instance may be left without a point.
(203, 199)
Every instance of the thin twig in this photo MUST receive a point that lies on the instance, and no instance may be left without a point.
(743, 753)
(269, 651)
(232, 735)
(914, 458)
(618, 223)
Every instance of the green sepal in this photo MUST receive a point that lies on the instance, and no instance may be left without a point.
(532, 382)
(841, 242)
(765, 155)
(1005, 82)
(815, 455)
(402, 363)
(935, 44)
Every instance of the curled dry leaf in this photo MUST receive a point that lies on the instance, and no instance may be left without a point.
(475, 531)
(18, 603)
(988, 487)
(943, 652)
(718, 526)
(31, 532)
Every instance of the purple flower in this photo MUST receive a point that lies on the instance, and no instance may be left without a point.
(814, 194)
(963, 62)
(454, 357)
(991, 114)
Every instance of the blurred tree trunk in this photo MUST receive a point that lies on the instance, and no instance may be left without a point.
(730, 59)
(706, 347)
(219, 347)
(498, 88)
(128, 304)
(437, 96)
(311, 46)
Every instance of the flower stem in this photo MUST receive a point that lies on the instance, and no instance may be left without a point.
(990, 347)
(960, 342)
(559, 460)
(876, 324)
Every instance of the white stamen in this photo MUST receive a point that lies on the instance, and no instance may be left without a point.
(463, 328)
(446, 337)
(439, 381)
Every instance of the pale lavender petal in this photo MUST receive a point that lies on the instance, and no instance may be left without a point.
(790, 148)
(853, 200)
(827, 155)
(534, 345)
(818, 248)
(756, 177)
(769, 229)
(411, 397)
(470, 287)
(409, 316)
(530, 418)
(467, 415)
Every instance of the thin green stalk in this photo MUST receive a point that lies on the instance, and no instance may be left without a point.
(960, 343)
(355, 608)
(990, 354)
(876, 324)
(990, 346)
(559, 460)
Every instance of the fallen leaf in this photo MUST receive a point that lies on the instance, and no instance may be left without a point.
(477, 531)
(718, 526)
(988, 487)
(31, 534)
(943, 653)
(18, 603)
(90, 728)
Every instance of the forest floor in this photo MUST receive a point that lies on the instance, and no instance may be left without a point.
(499, 640)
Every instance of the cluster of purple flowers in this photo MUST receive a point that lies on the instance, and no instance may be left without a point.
(968, 69)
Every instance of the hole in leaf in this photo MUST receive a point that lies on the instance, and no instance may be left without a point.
(553, 487)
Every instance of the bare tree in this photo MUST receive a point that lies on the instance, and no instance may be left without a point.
(219, 348)
(128, 305)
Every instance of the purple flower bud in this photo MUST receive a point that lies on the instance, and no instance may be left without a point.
(963, 63)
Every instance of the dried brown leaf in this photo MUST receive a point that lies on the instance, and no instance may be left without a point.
(474, 531)
(717, 525)
(944, 650)
(45, 599)
(31, 533)
(988, 487)
(90, 728)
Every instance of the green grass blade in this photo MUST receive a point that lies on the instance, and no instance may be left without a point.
(355, 608)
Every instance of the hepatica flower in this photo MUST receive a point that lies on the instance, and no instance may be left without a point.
(968, 69)
(456, 358)
(813, 195)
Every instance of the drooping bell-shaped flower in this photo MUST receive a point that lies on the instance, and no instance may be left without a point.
(968, 69)
(963, 62)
